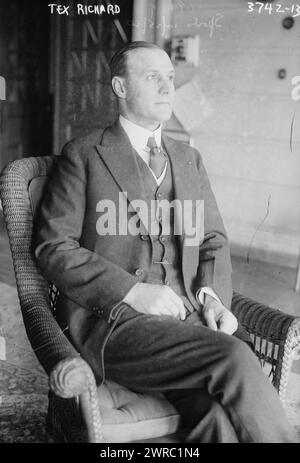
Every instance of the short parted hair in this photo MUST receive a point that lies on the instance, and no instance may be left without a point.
(118, 63)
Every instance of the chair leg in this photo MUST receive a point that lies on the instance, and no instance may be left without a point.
(54, 437)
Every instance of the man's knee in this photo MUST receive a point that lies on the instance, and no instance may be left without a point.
(238, 355)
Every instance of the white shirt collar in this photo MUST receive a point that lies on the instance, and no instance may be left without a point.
(138, 135)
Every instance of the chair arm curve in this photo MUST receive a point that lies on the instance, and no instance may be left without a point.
(46, 337)
(73, 377)
(68, 378)
(291, 352)
(261, 320)
(275, 334)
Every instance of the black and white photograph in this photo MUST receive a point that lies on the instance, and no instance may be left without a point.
(150, 225)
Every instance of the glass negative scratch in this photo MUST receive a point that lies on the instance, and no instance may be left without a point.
(258, 227)
(291, 131)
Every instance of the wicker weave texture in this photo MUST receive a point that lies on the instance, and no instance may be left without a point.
(70, 376)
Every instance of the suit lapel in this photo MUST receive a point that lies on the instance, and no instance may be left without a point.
(185, 180)
(186, 187)
(119, 157)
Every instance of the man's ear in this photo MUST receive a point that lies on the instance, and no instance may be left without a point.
(118, 86)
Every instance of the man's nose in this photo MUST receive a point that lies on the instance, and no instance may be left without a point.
(165, 86)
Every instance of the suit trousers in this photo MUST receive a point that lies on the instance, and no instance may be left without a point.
(214, 380)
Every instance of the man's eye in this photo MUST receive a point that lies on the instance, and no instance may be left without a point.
(171, 77)
(151, 76)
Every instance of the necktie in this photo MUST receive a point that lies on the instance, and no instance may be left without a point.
(157, 157)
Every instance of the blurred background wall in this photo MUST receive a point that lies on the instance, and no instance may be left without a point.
(245, 71)
(243, 119)
(26, 115)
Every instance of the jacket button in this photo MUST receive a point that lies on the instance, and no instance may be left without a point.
(144, 237)
(159, 195)
(139, 272)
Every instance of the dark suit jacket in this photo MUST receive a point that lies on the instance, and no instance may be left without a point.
(94, 273)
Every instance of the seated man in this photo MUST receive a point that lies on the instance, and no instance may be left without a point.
(135, 289)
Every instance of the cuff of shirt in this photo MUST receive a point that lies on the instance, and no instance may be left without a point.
(206, 290)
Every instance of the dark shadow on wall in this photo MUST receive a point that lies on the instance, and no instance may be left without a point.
(27, 112)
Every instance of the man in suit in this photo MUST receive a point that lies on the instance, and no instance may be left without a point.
(155, 302)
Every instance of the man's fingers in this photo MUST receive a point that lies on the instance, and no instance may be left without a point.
(209, 317)
(228, 323)
(155, 300)
(162, 309)
(176, 301)
(217, 317)
(177, 308)
(225, 326)
(180, 308)
(166, 306)
(182, 312)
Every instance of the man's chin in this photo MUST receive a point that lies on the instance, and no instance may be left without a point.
(164, 116)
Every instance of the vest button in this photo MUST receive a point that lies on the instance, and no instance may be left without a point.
(139, 272)
(144, 237)
(159, 195)
(97, 310)
(163, 239)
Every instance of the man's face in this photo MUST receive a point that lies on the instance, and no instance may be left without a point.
(149, 87)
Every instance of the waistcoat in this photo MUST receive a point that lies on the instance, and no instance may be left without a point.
(165, 265)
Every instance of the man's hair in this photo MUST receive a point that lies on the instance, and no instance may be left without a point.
(118, 63)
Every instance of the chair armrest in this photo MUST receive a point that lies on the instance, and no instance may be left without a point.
(275, 334)
(69, 375)
(46, 337)
(261, 320)
(72, 377)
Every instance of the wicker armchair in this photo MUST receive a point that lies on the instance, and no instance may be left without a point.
(74, 413)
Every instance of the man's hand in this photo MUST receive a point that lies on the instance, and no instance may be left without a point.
(217, 317)
(155, 300)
